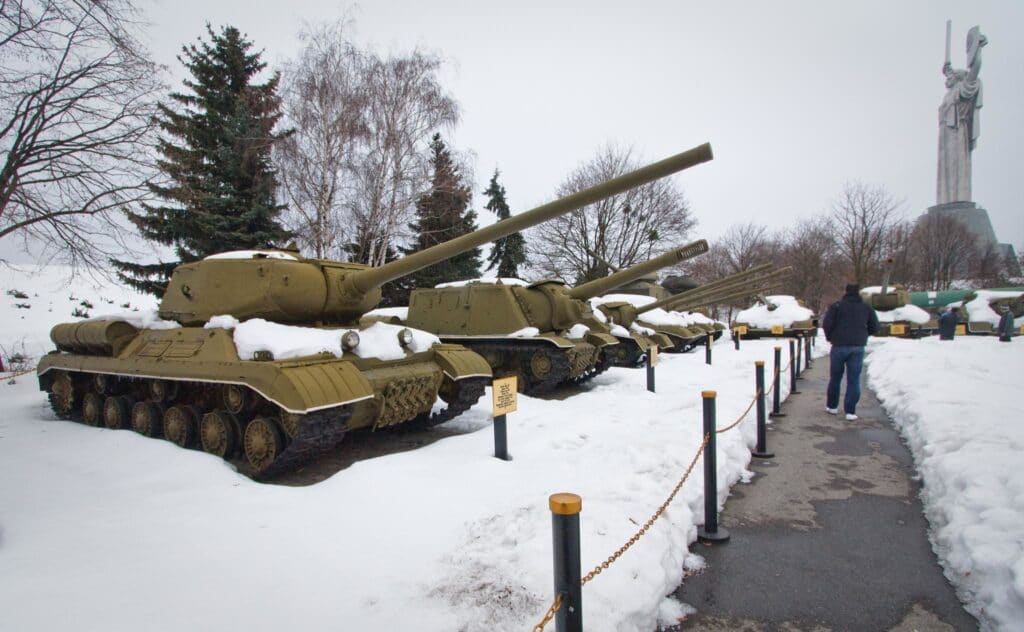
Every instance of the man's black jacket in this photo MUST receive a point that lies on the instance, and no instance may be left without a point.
(849, 322)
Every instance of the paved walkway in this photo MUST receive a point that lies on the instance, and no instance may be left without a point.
(829, 535)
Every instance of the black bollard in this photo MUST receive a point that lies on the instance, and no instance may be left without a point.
(707, 349)
(776, 386)
(761, 450)
(799, 356)
(501, 438)
(565, 537)
(710, 532)
(650, 374)
(807, 351)
(736, 339)
(792, 369)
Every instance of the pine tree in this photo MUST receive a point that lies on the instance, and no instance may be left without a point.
(443, 213)
(218, 192)
(509, 252)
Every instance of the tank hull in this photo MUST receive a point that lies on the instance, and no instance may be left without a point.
(304, 405)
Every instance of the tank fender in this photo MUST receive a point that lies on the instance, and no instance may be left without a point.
(601, 340)
(458, 362)
(663, 341)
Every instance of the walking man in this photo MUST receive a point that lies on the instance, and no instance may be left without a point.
(848, 323)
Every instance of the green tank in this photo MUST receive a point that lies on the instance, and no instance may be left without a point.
(894, 309)
(648, 285)
(544, 333)
(192, 383)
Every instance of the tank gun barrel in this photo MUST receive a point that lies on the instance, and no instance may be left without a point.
(601, 260)
(749, 285)
(728, 296)
(366, 280)
(732, 278)
(632, 273)
(885, 275)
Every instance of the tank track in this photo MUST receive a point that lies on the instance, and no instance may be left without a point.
(467, 392)
(317, 433)
(604, 363)
(561, 369)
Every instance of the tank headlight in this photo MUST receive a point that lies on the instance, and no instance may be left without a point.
(405, 337)
(350, 340)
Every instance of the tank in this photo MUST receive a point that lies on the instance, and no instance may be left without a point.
(981, 321)
(896, 315)
(544, 333)
(195, 381)
(648, 285)
(775, 316)
(681, 333)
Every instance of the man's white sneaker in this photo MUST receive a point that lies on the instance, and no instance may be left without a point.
(851, 417)
(832, 411)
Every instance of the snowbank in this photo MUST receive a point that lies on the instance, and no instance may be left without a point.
(979, 310)
(54, 296)
(491, 281)
(910, 313)
(440, 538)
(957, 405)
(787, 312)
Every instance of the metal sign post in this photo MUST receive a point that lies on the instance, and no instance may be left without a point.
(652, 361)
(504, 393)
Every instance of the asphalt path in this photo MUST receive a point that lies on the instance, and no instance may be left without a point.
(829, 534)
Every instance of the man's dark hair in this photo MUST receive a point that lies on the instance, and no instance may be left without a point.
(852, 288)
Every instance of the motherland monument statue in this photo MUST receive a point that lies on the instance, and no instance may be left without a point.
(959, 121)
(959, 129)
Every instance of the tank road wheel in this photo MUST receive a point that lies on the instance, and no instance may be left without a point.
(290, 423)
(106, 384)
(63, 397)
(236, 398)
(147, 419)
(218, 433)
(180, 424)
(163, 391)
(117, 412)
(540, 366)
(263, 442)
(92, 409)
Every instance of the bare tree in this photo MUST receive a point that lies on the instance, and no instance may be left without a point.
(861, 218)
(325, 104)
(624, 229)
(942, 248)
(77, 94)
(817, 274)
(406, 105)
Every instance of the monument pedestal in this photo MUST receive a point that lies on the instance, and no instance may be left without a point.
(976, 219)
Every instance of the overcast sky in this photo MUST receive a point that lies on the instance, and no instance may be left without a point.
(795, 97)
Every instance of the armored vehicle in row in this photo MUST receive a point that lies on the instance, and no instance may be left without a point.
(648, 285)
(983, 308)
(262, 351)
(544, 333)
(776, 315)
(896, 315)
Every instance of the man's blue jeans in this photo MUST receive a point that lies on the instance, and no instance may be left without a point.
(852, 359)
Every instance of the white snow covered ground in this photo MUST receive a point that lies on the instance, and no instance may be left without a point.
(134, 533)
(958, 404)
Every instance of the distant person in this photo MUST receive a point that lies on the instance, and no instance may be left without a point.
(948, 322)
(848, 323)
(1005, 328)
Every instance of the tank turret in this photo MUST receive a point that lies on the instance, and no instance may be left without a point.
(285, 288)
(896, 314)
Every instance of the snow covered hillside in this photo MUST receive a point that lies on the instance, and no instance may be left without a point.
(35, 298)
(957, 404)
